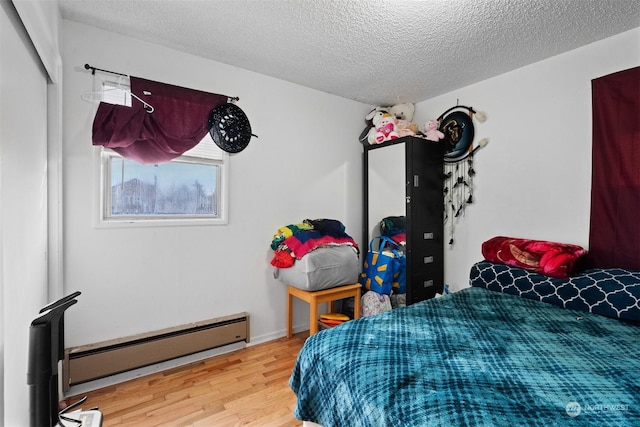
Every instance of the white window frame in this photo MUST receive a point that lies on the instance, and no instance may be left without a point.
(206, 152)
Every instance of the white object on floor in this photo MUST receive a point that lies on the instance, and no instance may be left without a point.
(90, 418)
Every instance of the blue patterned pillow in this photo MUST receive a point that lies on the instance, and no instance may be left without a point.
(610, 292)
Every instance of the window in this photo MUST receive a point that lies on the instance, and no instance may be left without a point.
(189, 190)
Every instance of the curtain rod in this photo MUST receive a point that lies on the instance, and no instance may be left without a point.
(94, 69)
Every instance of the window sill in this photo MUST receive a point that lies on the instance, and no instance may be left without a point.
(143, 223)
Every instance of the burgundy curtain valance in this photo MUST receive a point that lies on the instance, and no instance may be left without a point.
(177, 124)
(614, 235)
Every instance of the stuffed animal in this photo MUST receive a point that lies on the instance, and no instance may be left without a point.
(431, 131)
(377, 110)
(401, 116)
(368, 134)
(404, 114)
(372, 132)
(385, 127)
(404, 128)
(402, 111)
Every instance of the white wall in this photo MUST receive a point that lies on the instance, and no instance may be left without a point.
(305, 163)
(534, 178)
(23, 207)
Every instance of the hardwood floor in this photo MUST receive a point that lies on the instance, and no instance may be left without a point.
(248, 387)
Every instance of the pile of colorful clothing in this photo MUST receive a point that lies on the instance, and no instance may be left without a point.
(394, 227)
(294, 241)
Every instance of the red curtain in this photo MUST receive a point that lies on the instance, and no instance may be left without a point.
(177, 124)
(614, 236)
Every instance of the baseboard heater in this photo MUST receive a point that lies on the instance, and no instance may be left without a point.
(99, 360)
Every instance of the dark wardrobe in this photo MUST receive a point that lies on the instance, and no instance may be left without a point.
(405, 177)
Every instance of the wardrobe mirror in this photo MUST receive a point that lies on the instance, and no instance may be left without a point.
(387, 185)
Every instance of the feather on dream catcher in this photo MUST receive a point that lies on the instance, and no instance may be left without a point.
(456, 124)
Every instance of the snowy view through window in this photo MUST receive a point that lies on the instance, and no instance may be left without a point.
(174, 188)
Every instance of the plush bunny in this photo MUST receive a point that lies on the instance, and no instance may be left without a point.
(368, 134)
(385, 128)
(379, 109)
(431, 131)
(375, 118)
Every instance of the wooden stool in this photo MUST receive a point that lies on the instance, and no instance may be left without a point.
(319, 297)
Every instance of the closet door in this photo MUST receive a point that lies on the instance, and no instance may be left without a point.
(424, 213)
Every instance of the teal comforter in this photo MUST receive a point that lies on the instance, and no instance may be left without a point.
(473, 358)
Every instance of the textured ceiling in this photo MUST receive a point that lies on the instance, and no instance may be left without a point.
(379, 52)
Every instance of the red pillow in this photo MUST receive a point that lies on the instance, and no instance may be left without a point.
(550, 258)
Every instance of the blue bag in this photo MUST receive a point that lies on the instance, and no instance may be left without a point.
(383, 270)
(399, 283)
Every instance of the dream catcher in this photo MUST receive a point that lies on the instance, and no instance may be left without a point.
(457, 126)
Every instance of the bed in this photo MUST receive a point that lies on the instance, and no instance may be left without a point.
(510, 350)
